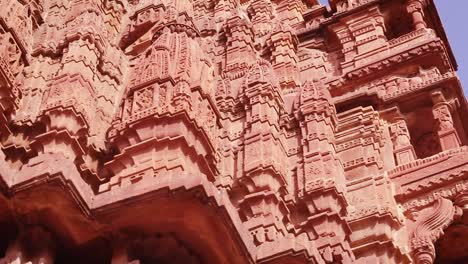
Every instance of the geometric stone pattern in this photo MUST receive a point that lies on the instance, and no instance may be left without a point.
(230, 131)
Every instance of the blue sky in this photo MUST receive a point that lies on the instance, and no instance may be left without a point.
(454, 17)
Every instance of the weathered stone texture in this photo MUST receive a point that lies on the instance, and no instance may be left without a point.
(230, 131)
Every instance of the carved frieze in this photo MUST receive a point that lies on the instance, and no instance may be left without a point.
(290, 131)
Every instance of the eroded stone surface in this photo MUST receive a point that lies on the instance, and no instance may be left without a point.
(230, 131)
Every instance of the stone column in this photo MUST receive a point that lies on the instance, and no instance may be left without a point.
(416, 9)
(445, 127)
(402, 148)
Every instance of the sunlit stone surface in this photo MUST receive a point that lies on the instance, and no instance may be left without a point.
(230, 131)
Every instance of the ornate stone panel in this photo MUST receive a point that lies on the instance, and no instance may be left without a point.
(229, 131)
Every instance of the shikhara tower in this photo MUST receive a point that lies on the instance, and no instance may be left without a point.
(230, 131)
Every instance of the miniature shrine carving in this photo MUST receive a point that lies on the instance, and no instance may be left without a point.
(230, 131)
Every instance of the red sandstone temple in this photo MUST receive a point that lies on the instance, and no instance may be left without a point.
(230, 132)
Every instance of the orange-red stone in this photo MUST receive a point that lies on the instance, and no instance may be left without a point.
(230, 131)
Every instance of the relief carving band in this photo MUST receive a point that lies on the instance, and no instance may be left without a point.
(230, 131)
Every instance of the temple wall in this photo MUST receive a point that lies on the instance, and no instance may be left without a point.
(230, 131)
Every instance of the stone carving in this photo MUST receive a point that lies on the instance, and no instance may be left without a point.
(400, 134)
(430, 228)
(444, 118)
(148, 131)
(404, 152)
(416, 9)
(10, 53)
(344, 5)
(447, 133)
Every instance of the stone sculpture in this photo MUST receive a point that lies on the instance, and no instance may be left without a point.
(230, 131)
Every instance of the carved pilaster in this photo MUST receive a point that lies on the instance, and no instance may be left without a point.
(447, 133)
(416, 9)
(403, 150)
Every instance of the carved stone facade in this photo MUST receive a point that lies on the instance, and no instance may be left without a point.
(230, 131)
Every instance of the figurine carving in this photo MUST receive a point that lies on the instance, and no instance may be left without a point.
(141, 131)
